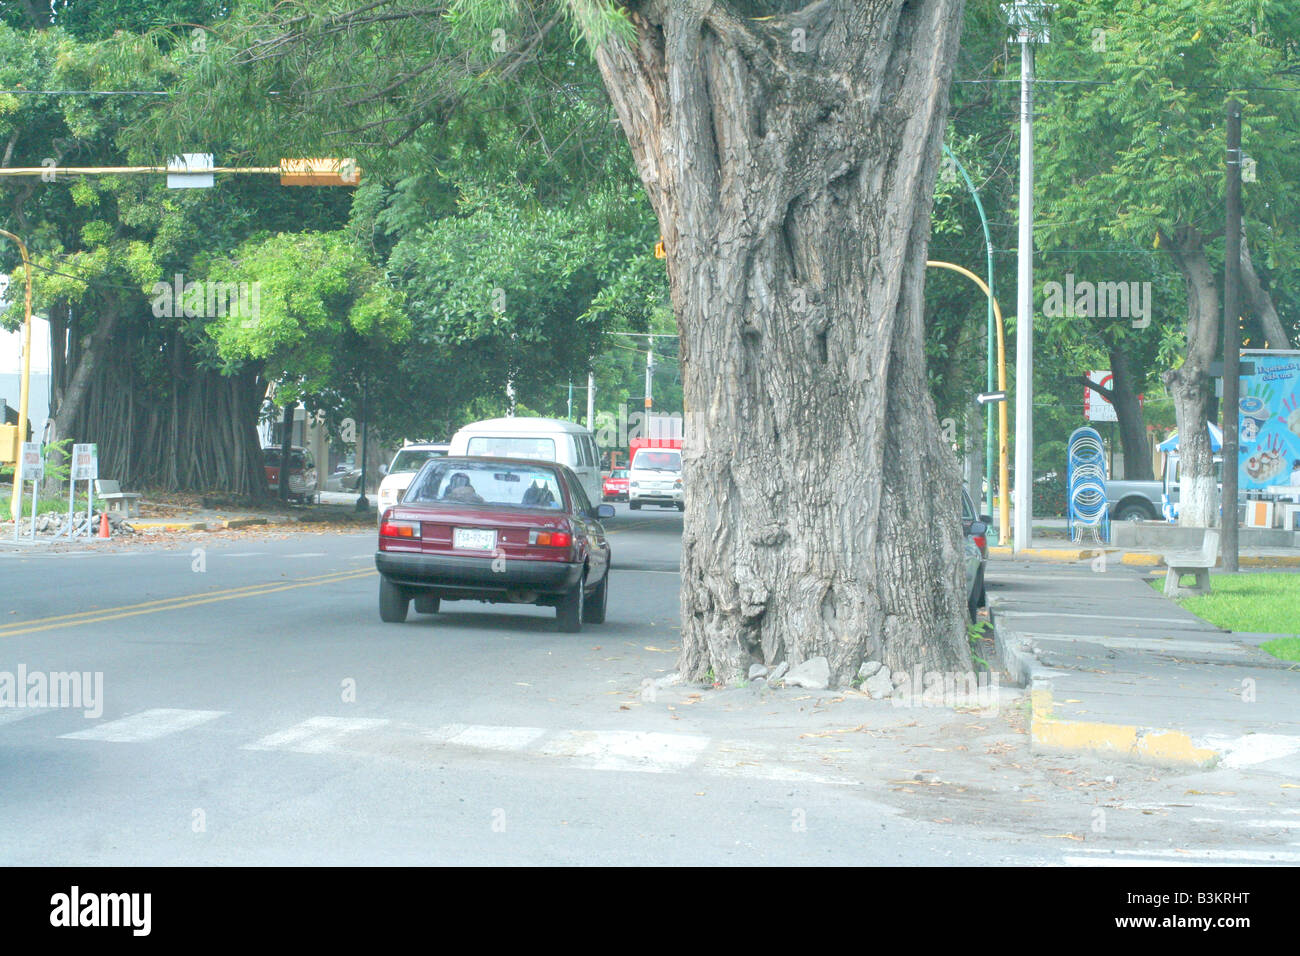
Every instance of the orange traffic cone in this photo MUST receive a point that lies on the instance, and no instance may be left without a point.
(103, 525)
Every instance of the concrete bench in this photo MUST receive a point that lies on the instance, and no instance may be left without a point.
(111, 493)
(1192, 562)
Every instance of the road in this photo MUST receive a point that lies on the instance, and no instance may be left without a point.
(255, 710)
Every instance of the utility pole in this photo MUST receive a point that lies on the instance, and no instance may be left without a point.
(1228, 408)
(649, 375)
(569, 413)
(1028, 18)
(591, 402)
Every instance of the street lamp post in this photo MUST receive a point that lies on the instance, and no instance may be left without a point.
(990, 363)
(1028, 18)
(24, 388)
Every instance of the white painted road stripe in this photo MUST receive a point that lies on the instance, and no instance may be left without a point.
(9, 715)
(307, 554)
(628, 750)
(147, 725)
(1140, 861)
(1262, 856)
(317, 735)
(487, 737)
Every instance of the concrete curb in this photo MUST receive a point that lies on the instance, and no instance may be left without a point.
(1140, 559)
(1131, 742)
(1146, 745)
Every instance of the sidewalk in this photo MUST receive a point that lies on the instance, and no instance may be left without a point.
(1117, 669)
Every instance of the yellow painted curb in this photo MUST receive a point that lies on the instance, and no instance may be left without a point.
(1116, 740)
(1270, 561)
(1141, 560)
(1050, 554)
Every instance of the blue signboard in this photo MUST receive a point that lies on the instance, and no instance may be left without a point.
(1269, 421)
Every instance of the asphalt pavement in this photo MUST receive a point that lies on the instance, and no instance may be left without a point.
(253, 709)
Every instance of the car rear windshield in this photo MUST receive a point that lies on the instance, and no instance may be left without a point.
(487, 483)
(271, 458)
(647, 460)
(494, 446)
(410, 459)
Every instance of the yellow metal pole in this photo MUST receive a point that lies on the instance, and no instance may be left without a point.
(1004, 511)
(16, 504)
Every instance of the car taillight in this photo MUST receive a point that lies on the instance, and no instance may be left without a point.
(399, 529)
(551, 539)
(982, 543)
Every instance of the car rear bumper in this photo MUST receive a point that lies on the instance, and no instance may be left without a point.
(457, 573)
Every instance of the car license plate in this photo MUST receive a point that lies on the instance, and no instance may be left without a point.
(474, 539)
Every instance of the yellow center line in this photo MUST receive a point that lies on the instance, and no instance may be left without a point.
(182, 601)
(179, 597)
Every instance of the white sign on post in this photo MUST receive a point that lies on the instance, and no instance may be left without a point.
(33, 463)
(85, 462)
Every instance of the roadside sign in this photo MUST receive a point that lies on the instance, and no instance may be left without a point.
(190, 171)
(985, 398)
(33, 463)
(85, 462)
(319, 172)
(1095, 407)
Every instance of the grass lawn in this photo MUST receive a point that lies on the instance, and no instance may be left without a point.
(1253, 602)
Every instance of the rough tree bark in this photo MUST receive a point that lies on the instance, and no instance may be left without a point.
(791, 160)
(1123, 395)
(93, 351)
(1189, 383)
(1257, 299)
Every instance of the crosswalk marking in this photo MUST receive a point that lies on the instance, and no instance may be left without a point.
(9, 715)
(146, 725)
(628, 750)
(486, 737)
(317, 735)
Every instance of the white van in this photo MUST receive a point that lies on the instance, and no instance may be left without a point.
(545, 439)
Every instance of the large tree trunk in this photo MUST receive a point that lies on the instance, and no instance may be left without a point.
(1128, 412)
(93, 351)
(1189, 384)
(791, 162)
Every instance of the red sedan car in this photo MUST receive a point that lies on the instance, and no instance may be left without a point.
(500, 530)
(614, 487)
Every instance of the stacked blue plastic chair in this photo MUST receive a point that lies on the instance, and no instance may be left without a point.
(1086, 504)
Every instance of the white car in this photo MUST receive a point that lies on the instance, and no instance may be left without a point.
(409, 460)
(655, 478)
(541, 439)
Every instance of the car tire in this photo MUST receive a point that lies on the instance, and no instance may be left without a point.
(634, 505)
(593, 609)
(1135, 512)
(428, 604)
(981, 593)
(393, 602)
(569, 612)
(681, 506)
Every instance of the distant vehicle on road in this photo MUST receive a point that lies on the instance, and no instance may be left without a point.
(539, 439)
(975, 539)
(614, 487)
(655, 476)
(500, 530)
(302, 472)
(404, 466)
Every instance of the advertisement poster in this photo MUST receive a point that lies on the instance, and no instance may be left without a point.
(1270, 421)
